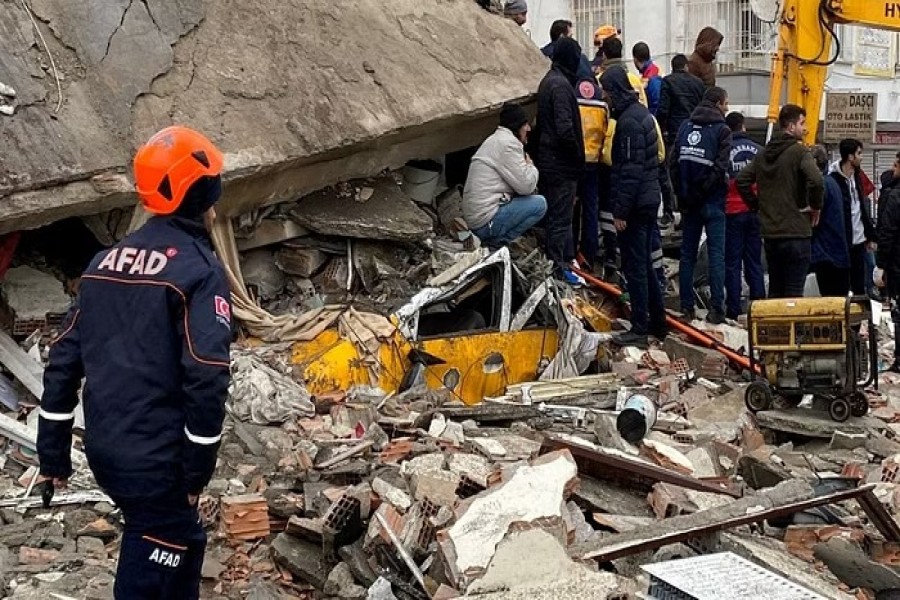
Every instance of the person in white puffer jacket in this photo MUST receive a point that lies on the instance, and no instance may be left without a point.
(499, 203)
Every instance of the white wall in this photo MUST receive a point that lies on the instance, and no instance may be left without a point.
(654, 22)
(541, 14)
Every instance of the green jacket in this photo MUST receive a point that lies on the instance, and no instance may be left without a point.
(787, 182)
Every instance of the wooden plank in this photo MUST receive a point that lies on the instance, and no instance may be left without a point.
(29, 372)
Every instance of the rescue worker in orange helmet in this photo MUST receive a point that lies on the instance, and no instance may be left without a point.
(150, 334)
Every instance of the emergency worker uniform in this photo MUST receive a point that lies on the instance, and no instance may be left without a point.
(149, 334)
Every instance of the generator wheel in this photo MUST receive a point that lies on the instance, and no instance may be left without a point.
(758, 397)
(859, 404)
(839, 409)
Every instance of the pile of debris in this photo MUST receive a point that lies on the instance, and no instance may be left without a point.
(364, 239)
(561, 465)
(366, 494)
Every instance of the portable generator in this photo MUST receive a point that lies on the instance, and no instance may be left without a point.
(811, 346)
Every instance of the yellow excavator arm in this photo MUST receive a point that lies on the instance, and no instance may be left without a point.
(807, 47)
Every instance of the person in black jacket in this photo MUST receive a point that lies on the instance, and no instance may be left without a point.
(635, 201)
(150, 335)
(560, 152)
(681, 93)
(887, 257)
(700, 164)
(860, 233)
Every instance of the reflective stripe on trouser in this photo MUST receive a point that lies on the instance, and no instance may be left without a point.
(161, 553)
(609, 238)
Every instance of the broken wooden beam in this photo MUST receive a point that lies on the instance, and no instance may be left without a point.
(602, 464)
(784, 499)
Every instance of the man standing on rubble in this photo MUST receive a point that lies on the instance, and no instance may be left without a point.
(789, 195)
(859, 231)
(700, 163)
(150, 335)
(743, 241)
(635, 202)
(560, 153)
(887, 256)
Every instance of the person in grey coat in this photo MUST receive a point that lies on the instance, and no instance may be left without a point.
(499, 203)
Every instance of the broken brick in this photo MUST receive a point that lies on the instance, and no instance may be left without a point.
(396, 451)
(36, 556)
(670, 501)
(245, 517)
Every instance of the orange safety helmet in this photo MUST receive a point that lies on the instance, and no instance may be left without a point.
(603, 32)
(170, 163)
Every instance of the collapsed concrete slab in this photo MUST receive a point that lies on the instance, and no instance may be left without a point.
(547, 572)
(534, 496)
(304, 94)
(388, 214)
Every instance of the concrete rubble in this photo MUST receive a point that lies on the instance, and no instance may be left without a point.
(364, 495)
(327, 488)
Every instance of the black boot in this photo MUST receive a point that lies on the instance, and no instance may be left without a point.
(629, 338)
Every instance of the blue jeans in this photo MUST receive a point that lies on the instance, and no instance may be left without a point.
(512, 220)
(647, 310)
(712, 218)
(743, 251)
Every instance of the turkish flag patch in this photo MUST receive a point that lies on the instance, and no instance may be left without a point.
(223, 309)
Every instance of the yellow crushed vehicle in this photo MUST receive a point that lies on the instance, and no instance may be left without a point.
(474, 335)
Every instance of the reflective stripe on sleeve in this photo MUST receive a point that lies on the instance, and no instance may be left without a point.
(52, 416)
(199, 439)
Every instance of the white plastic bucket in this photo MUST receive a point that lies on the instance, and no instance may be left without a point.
(636, 418)
(420, 181)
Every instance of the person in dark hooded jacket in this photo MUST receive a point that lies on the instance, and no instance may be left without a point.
(887, 256)
(635, 201)
(700, 63)
(701, 158)
(559, 154)
(830, 256)
(679, 95)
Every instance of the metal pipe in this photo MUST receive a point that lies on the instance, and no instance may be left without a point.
(700, 337)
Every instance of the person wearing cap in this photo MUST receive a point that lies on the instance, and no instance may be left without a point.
(602, 33)
(499, 203)
(517, 11)
(149, 333)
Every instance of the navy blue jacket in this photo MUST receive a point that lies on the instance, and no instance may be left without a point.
(636, 174)
(150, 334)
(702, 159)
(829, 237)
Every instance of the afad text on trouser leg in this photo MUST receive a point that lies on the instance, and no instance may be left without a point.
(164, 553)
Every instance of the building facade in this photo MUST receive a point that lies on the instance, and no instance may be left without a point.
(867, 59)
